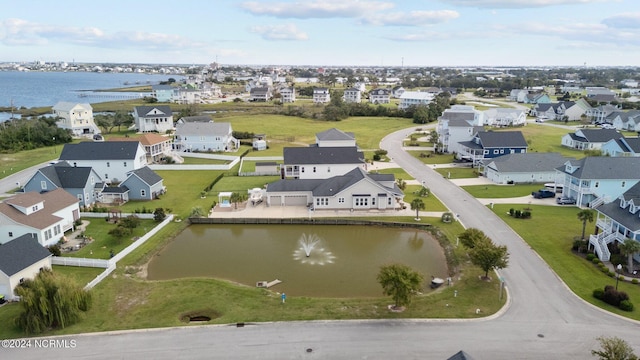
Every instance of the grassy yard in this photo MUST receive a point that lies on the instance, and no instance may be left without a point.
(431, 202)
(501, 191)
(458, 172)
(15, 162)
(399, 173)
(546, 139)
(428, 157)
(550, 233)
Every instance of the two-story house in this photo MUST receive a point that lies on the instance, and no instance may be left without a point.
(617, 221)
(288, 95)
(627, 120)
(157, 118)
(379, 96)
(205, 137)
(352, 95)
(415, 98)
(622, 146)
(82, 181)
(162, 93)
(589, 139)
(75, 117)
(491, 144)
(505, 117)
(321, 96)
(317, 162)
(453, 131)
(335, 138)
(595, 180)
(46, 216)
(112, 160)
(260, 93)
(156, 146)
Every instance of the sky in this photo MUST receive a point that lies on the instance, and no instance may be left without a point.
(324, 32)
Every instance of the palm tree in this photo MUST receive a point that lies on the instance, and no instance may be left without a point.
(629, 248)
(584, 216)
(236, 198)
(417, 204)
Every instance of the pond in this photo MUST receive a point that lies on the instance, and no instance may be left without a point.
(343, 260)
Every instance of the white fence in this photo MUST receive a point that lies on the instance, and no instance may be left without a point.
(109, 265)
(104, 215)
(86, 262)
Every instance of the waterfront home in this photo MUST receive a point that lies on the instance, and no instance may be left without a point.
(112, 160)
(260, 93)
(155, 146)
(157, 118)
(144, 184)
(205, 137)
(162, 93)
(320, 162)
(75, 117)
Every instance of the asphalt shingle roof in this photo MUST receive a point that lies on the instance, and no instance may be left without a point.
(604, 167)
(598, 135)
(147, 175)
(107, 150)
(143, 111)
(335, 134)
(322, 155)
(203, 129)
(66, 176)
(528, 162)
(53, 201)
(493, 139)
(20, 253)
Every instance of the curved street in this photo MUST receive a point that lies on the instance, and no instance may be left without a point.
(543, 320)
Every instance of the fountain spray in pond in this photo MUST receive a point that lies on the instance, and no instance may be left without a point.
(310, 245)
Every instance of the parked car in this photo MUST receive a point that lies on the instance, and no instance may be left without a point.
(543, 193)
(540, 120)
(563, 200)
(607, 126)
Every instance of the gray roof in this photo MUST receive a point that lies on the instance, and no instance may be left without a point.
(462, 123)
(322, 155)
(620, 215)
(604, 167)
(331, 186)
(494, 139)
(335, 134)
(107, 150)
(66, 176)
(147, 175)
(203, 128)
(598, 135)
(196, 118)
(455, 115)
(115, 190)
(460, 355)
(161, 87)
(143, 111)
(528, 162)
(20, 253)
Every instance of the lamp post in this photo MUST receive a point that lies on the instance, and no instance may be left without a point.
(618, 269)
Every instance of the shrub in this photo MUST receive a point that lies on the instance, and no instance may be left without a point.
(614, 297)
(598, 294)
(634, 281)
(518, 213)
(596, 260)
(511, 211)
(447, 217)
(626, 305)
(526, 214)
(590, 257)
(54, 249)
(376, 157)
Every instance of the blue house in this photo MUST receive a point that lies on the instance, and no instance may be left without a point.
(617, 221)
(595, 180)
(82, 182)
(143, 184)
(622, 146)
(163, 93)
(490, 144)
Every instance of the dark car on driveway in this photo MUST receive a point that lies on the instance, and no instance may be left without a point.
(563, 200)
(543, 193)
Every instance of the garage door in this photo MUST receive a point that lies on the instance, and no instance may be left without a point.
(296, 200)
(275, 200)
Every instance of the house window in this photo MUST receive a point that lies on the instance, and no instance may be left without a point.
(501, 151)
(495, 151)
(314, 169)
(79, 197)
(143, 193)
(624, 183)
(43, 185)
(10, 233)
(486, 152)
(302, 169)
(93, 180)
(340, 200)
(108, 164)
(34, 208)
(597, 184)
(373, 201)
(328, 169)
(106, 176)
(125, 164)
(86, 196)
(322, 201)
(388, 201)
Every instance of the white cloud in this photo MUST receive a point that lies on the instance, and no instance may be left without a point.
(628, 20)
(516, 4)
(316, 9)
(413, 18)
(280, 32)
(595, 35)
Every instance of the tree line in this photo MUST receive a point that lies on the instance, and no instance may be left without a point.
(31, 133)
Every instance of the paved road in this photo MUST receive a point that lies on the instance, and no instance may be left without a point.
(544, 320)
(15, 180)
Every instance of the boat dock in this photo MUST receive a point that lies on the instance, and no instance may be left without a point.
(268, 284)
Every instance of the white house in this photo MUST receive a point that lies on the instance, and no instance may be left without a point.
(524, 168)
(352, 95)
(355, 190)
(451, 132)
(156, 146)
(321, 96)
(414, 98)
(153, 118)
(76, 117)
(112, 160)
(518, 95)
(589, 139)
(20, 259)
(205, 137)
(335, 138)
(505, 117)
(627, 120)
(379, 96)
(320, 162)
(46, 216)
(288, 95)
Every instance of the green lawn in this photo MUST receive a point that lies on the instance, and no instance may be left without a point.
(399, 173)
(428, 157)
(546, 139)
(431, 202)
(103, 243)
(501, 191)
(200, 161)
(458, 172)
(15, 162)
(550, 232)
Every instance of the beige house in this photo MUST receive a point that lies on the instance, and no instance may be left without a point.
(76, 117)
(21, 259)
